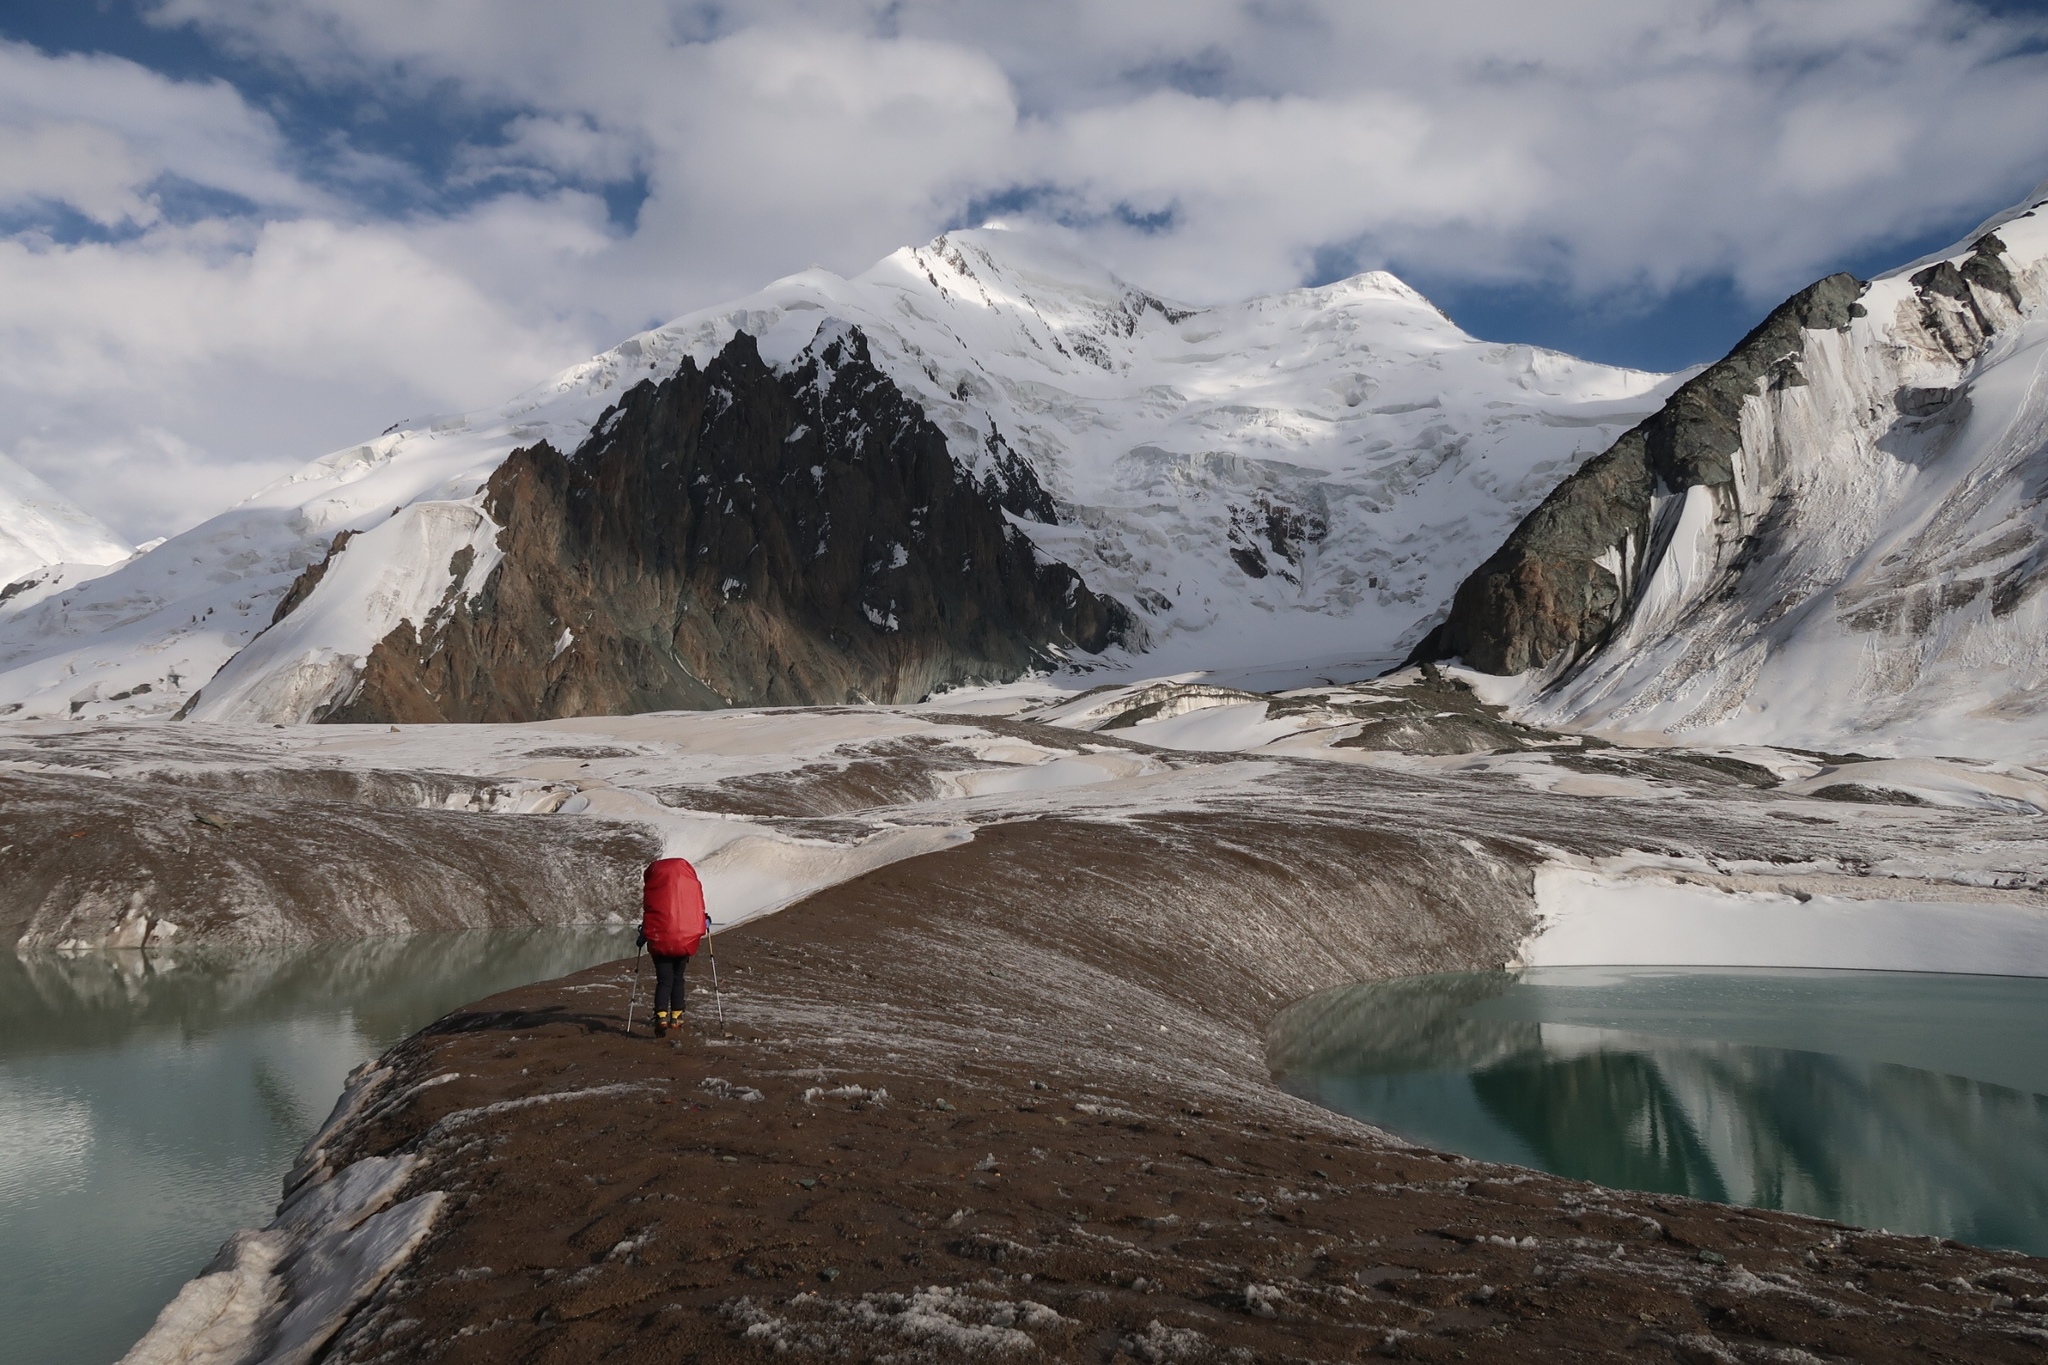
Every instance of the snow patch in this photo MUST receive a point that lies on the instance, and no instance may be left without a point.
(960, 1323)
(1591, 917)
(276, 1296)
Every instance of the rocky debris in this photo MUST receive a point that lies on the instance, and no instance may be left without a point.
(1155, 701)
(737, 535)
(1269, 536)
(1866, 793)
(1196, 1214)
(90, 861)
(1419, 711)
(864, 777)
(1553, 591)
(1436, 714)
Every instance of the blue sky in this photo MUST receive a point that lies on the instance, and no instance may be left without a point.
(235, 234)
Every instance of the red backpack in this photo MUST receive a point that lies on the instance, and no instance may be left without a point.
(672, 908)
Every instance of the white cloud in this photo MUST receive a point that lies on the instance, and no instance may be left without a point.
(96, 132)
(80, 165)
(1614, 147)
(157, 379)
(161, 373)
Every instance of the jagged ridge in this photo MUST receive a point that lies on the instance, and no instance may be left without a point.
(1551, 590)
(735, 535)
(1833, 539)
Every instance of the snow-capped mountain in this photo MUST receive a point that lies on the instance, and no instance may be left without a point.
(1835, 538)
(1303, 478)
(40, 532)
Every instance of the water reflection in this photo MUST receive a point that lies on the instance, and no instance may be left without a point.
(1604, 1112)
(149, 1104)
(1807, 1091)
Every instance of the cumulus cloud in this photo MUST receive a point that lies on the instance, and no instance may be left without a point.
(164, 376)
(617, 163)
(100, 135)
(161, 368)
(1615, 144)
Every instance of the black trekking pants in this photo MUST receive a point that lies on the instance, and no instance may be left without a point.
(668, 981)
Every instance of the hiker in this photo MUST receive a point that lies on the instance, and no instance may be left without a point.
(672, 924)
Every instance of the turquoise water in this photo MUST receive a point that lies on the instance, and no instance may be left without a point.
(1917, 1103)
(150, 1104)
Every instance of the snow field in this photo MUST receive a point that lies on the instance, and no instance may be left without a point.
(1900, 902)
(396, 571)
(749, 868)
(41, 530)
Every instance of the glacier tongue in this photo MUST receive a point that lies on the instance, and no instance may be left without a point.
(1294, 479)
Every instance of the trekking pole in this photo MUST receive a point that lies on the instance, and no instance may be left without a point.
(716, 994)
(634, 994)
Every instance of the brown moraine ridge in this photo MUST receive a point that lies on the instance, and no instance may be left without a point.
(1079, 1155)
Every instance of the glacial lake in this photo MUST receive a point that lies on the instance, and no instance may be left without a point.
(1916, 1103)
(150, 1104)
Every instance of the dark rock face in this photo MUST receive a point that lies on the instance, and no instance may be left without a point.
(1544, 594)
(1949, 308)
(736, 536)
(309, 578)
(1272, 537)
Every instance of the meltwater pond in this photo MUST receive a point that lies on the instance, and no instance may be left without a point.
(1916, 1103)
(150, 1104)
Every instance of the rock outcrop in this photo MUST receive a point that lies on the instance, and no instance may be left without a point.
(1557, 588)
(741, 535)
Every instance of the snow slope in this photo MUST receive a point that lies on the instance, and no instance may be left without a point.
(40, 529)
(1874, 581)
(1297, 478)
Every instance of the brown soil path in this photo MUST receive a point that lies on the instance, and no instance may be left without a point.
(1009, 1102)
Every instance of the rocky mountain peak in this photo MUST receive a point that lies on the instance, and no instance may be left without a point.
(739, 534)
